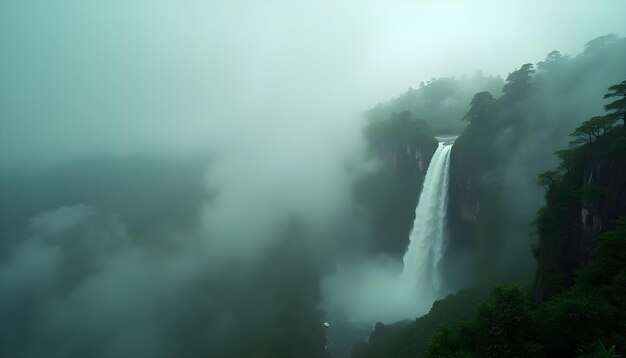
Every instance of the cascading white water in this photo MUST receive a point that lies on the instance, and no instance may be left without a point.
(381, 290)
(427, 241)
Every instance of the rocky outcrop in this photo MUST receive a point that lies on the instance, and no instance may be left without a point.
(583, 204)
(598, 215)
(410, 160)
(463, 200)
(463, 210)
(593, 210)
(389, 196)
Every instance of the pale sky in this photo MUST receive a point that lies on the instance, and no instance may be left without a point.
(117, 77)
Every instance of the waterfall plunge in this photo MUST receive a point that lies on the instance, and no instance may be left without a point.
(421, 273)
(381, 289)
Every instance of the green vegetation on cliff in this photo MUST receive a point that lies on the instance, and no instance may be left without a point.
(575, 306)
(402, 146)
(577, 322)
(440, 101)
(573, 323)
(510, 140)
(409, 339)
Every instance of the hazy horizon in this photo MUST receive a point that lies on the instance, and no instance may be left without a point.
(134, 77)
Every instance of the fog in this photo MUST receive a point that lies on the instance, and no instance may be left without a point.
(176, 177)
(180, 77)
(370, 291)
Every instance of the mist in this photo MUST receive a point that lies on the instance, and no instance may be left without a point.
(178, 178)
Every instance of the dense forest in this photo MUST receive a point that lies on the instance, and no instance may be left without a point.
(571, 304)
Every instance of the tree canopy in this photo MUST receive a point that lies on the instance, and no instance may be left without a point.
(618, 106)
(481, 109)
(590, 130)
(517, 85)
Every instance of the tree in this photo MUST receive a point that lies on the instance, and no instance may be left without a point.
(503, 326)
(553, 60)
(618, 107)
(590, 130)
(600, 43)
(549, 179)
(567, 157)
(517, 84)
(481, 108)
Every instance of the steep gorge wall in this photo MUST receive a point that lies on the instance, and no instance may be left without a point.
(464, 203)
(598, 216)
(591, 208)
(488, 238)
(463, 210)
(391, 195)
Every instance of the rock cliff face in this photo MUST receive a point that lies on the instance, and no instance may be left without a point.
(591, 207)
(394, 191)
(403, 146)
(587, 216)
(410, 160)
(598, 216)
(464, 203)
(463, 210)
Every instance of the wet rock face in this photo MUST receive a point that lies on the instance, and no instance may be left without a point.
(389, 196)
(588, 216)
(593, 216)
(407, 159)
(463, 210)
(463, 201)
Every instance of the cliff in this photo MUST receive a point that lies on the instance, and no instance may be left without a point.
(582, 203)
(472, 199)
(402, 147)
(463, 201)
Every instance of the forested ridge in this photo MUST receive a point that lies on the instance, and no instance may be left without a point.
(565, 297)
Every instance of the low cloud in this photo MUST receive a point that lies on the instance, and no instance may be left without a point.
(367, 291)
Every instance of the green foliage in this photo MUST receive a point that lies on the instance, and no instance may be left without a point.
(440, 102)
(518, 84)
(598, 143)
(597, 45)
(507, 324)
(567, 157)
(606, 272)
(486, 148)
(605, 353)
(589, 131)
(568, 321)
(549, 179)
(399, 129)
(554, 60)
(618, 106)
(502, 327)
(529, 121)
(482, 108)
(409, 340)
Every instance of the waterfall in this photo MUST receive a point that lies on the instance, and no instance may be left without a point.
(421, 272)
